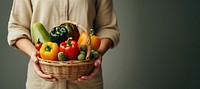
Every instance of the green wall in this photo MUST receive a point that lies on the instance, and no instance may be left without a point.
(159, 47)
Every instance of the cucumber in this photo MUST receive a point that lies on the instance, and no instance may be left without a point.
(95, 54)
(82, 52)
(83, 48)
(81, 57)
(91, 54)
(39, 32)
(62, 56)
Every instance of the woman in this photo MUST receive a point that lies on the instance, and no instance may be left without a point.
(96, 14)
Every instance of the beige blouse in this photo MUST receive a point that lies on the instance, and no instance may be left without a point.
(96, 14)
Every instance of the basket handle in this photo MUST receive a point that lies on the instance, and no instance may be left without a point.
(87, 34)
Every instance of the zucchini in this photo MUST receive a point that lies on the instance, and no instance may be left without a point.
(38, 31)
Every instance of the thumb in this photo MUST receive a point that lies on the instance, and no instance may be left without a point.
(34, 58)
(97, 63)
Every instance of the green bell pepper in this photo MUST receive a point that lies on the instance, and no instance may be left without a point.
(59, 34)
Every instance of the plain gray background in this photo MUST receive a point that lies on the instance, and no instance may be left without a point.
(159, 47)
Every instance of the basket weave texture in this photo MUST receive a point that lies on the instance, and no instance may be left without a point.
(72, 69)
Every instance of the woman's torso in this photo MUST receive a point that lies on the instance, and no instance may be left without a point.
(53, 12)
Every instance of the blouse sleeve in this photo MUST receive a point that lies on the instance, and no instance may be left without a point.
(106, 22)
(19, 21)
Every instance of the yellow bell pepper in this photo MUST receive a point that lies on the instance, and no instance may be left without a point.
(49, 51)
(95, 40)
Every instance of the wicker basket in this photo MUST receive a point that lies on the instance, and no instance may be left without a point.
(72, 69)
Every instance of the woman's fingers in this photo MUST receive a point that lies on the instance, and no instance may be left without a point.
(83, 78)
(95, 71)
(33, 57)
(38, 70)
(97, 64)
(42, 75)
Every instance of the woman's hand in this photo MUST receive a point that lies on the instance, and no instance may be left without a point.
(26, 46)
(38, 71)
(97, 65)
(105, 45)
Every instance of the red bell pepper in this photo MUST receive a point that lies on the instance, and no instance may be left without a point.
(70, 49)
